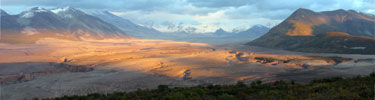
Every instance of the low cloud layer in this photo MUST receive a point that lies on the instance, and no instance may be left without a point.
(212, 14)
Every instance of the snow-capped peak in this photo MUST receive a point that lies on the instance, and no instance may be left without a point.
(27, 15)
(31, 12)
(220, 30)
(64, 9)
(38, 9)
(67, 12)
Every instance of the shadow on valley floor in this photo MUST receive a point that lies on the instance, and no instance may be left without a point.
(11, 73)
(25, 80)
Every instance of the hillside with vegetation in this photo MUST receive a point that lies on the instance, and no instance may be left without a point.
(336, 88)
(339, 31)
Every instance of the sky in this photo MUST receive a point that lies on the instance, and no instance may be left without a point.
(201, 15)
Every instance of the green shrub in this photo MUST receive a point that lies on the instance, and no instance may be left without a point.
(336, 88)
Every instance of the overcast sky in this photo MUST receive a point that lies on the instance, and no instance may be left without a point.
(203, 14)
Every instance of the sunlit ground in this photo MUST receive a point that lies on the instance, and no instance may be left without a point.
(34, 70)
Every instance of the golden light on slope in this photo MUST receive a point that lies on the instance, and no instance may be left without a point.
(366, 18)
(301, 29)
(343, 34)
(304, 27)
(11, 36)
(28, 36)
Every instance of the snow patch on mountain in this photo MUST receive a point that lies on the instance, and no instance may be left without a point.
(195, 29)
(28, 15)
(68, 16)
(38, 9)
(78, 24)
(240, 29)
(65, 12)
(171, 27)
(57, 10)
(31, 12)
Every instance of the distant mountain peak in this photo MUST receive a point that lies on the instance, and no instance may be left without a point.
(255, 31)
(220, 30)
(303, 9)
(341, 12)
(63, 23)
(64, 9)
(259, 26)
(344, 11)
(67, 12)
(33, 11)
(3, 13)
(304, 30)
(37, 9)
(302, 12)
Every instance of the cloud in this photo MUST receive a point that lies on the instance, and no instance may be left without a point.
(199, 6)
(220, 3)
(59, 3)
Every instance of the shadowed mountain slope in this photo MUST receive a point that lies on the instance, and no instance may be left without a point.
(339, 31)
(63, 23)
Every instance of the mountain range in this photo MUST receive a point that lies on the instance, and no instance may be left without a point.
(184, 33)
(63, 23)
(124, 24)
(3, 13)
(252, 33)
(338, 31)
(74, 24)
(221, 36)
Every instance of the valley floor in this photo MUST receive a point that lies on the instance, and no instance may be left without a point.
(53, 68)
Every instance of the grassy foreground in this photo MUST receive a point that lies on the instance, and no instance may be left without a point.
(336, 88)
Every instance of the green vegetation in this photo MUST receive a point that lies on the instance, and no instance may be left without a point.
(266, 59)
(336, 88)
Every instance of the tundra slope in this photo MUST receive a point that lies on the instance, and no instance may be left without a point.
(339, 31)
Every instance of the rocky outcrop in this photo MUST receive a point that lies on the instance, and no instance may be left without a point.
(240, 57)
(187, 75)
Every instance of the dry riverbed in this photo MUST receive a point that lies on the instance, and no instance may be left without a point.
(53, 67)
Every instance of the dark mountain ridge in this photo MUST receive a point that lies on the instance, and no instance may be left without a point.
(124, 24)
(62, 23)
(310, 31)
